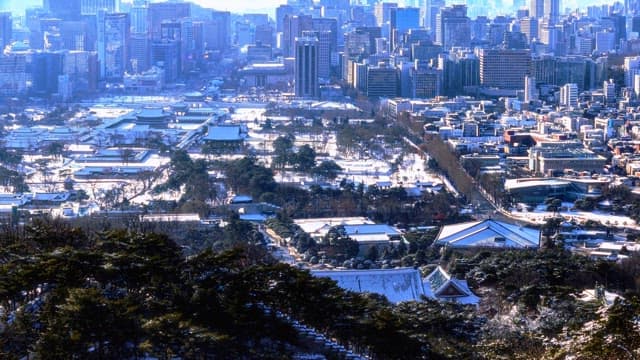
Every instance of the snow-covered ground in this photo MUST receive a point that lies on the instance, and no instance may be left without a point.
(539, 216)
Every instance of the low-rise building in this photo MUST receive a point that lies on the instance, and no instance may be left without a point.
(547, 157)
(403, 284)
(488, 233)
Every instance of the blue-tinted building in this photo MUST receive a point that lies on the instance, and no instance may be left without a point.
(45, 69)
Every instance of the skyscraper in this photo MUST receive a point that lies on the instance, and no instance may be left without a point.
(431, 11)
(536, 9)
(139, 19)
(529, 26)
(159, 12)
(609, 90)
(139, 52)
(166, 55)
(45, 69)
(281, 12)
(113, 44)
(5, 30)
(63, 9)
(453, 27)
(217, 31)
(306, 68)
(82, 69)
(425, 81)
(74, 35)
(402, 19)
(91, 7)
(293, 28)
(504, 68)
(13, 74)
(530, 90)
(324, 51)
(383, 12)
(552, 10)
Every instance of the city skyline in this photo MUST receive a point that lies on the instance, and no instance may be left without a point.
(269, 6)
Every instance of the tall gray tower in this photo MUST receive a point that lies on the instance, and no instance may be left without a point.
(306, 68)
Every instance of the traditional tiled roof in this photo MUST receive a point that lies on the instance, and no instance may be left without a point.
(397, 285)
(403, 284)
(488, 233)
(224, 133)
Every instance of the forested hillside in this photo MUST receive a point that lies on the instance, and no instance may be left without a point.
(116, 293)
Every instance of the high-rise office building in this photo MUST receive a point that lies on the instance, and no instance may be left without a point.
(382, 81)
(530, 90)
(543, 69)
(13, 74)
(306, 68)
(159, 12)
(504, 68)
(113, 44)
(323, 51)
(82, 69)
(459, 69)
(5, 30)
(244, 33)
(401, 21)
(426, 82)
(74, 35)
(609, 90)
(165, 54)
(383, 12)
(569, 95)
(190, 50)
(264, 35)
(45, 69)
(63, 9)
(618, 24)
(631, 69)
(139, 52)
(575, 69)
(605, 41)
(372, 32)
(536, 9)
(331, 25)
(529, 27)
(218, 31)
(552, 11)
(139, 15)
(453, 27)
(91, 7)
(431, 11)
(281, 12)
(293, 28)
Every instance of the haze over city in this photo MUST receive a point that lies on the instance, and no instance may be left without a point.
(268, 6)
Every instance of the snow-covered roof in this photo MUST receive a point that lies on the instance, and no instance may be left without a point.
(403, 284)
(440, 285)
(53, 197)
(488, 233)
(223, 133)
(369, 229)
(323, 225)
(397, 285)
(370, 238)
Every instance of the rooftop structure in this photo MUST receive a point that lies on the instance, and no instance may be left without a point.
(403, 284)
(488, 234)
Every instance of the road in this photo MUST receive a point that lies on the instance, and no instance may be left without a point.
(484, 207)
